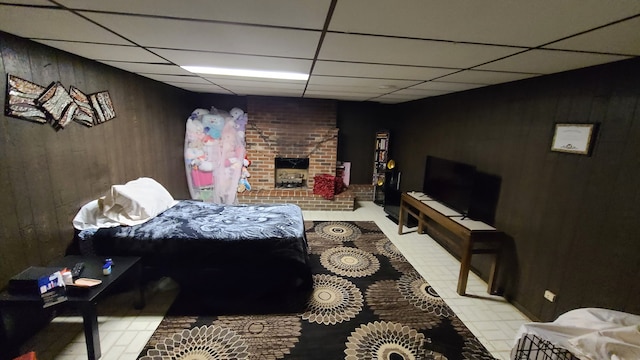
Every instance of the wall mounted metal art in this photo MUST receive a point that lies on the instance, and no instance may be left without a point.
(58, 104)
(53, 104)
(103, 106)
(21, 100)
(85, 114)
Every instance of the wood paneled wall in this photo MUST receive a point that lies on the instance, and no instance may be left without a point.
(358, 123)
(47, 175)
(573, 218)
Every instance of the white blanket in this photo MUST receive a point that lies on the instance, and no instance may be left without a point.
(591, 333)
(130, 204)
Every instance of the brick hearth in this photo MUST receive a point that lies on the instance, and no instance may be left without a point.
(307, 200)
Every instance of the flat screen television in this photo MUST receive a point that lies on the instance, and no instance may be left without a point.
(450, 183)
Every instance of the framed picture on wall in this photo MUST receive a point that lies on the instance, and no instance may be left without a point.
(573, 138)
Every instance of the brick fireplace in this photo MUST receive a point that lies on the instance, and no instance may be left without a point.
(296, 129)
(290, 128)
(291, 173)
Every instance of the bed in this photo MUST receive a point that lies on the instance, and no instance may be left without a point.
(248, 258)
(580, 334)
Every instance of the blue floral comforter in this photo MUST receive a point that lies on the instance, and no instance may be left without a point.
(194, 234)
(190, 219)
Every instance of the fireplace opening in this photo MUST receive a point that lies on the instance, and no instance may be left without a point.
(291, 172)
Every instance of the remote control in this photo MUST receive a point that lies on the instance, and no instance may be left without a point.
(77, 269)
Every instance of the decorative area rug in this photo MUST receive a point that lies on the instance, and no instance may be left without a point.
(368, 302)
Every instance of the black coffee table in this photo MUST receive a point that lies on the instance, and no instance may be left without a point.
(86, 299)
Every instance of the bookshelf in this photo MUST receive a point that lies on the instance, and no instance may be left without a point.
(380, 158)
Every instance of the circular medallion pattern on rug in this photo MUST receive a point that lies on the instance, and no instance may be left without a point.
(388, 249)
(368, 226)
(383, 340)
(368, 241)
(386, 302)
(402, 266)
(381, 245)
(419, 293)
(338, 231)
(347, 261)
(334, 300)
(200, 343)
(267, 336)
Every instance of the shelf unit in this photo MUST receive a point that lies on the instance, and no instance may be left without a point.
(380, 158)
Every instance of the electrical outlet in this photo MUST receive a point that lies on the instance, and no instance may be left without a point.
(549, 296)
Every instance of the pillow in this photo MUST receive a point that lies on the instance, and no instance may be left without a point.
(135, 202)
(90, 217)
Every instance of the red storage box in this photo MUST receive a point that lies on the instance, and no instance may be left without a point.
(324, 185)
(328, 186)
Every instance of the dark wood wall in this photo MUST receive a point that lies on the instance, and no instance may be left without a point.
(47, 175)
(357, 123)
(572, 218)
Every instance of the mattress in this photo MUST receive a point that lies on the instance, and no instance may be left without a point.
(264, 245)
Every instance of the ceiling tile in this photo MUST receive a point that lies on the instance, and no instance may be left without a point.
(104, 52)
(399, 98)
(346, 89)
(290, 13)
(148, 68)
(200, 58)
(246, 83)
(518, 23)
(390, 101)
(484, 77)
(621, 38)
(419, 92)
(272, 87)
(198, 35)
(31, 2)
(342, 94)
(177, 79)
(385, 50)
(549, 61)
(338, 95)
(202, 88)
(249, 90)
(444, 86)
(53, 24)
(340, 68)
(360, 82)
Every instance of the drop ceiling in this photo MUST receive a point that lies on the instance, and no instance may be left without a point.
(357, 50)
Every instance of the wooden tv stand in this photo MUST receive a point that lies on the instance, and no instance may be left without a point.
(471, 232)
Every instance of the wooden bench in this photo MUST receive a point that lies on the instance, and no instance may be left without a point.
(470, 232)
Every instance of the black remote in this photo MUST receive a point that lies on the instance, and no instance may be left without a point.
(77, 269)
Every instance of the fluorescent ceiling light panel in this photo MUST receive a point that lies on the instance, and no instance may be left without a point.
(246, 73)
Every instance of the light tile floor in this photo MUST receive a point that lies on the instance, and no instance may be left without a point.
(124, 331)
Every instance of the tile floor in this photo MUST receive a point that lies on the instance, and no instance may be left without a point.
(124, 331)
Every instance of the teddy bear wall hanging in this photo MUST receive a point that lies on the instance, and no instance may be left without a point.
(215, 155)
